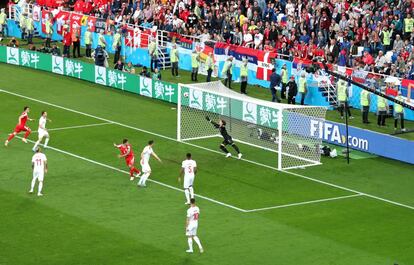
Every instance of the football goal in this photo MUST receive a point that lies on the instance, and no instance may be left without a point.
(291, 132)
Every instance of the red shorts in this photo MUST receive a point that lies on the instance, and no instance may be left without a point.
(130, 160)
(20, 128)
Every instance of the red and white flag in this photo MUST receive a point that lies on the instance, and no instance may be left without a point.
(264, 65)
(61, 17)
(75, 21)
(90, 22)
(45, 17)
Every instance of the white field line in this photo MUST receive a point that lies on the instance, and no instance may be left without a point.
(126, 172)
(79, 126)
(303, 203)
(210, 150)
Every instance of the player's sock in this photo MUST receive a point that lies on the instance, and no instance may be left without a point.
(236, 148)
(224, 149)
(27, 134)
(191, 189)
(36, 144)
(197, 240)
(33, 185)
(11, 136)
(136, 171)
(46, 142)
(39, 191)
(146, 177)
(131, 171)
(187, 195)
(190, 244)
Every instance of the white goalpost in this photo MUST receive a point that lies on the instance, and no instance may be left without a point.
(293, 132)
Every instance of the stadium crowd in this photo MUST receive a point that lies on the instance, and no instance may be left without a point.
(368, 35)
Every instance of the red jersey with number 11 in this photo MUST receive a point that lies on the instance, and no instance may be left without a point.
(126, 149)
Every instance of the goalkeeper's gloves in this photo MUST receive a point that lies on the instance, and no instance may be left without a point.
(208, 118)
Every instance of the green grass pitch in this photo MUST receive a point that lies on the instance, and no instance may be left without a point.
(91, 213)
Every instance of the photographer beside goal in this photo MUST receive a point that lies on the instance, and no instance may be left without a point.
(227, 138)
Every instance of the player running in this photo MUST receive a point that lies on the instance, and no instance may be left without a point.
(188, 169)
(126, 152)
(42, 131)
(145, 167)
(21, 127)
(227, 138)
(193, 213)
(39, 166)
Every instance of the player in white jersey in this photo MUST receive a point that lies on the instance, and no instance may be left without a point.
(193, 213)
(188, 169)
(39, 166)
(42, 131)
(145, 166)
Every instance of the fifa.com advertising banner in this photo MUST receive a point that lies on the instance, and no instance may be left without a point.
(331, 132)
(364, 140)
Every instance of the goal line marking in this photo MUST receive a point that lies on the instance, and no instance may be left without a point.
(80, 126)
(305, 202)
(210, 150)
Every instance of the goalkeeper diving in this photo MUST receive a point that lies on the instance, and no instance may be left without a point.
(221, 125)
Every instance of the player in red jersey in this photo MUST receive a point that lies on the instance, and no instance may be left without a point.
(128, 154)
(21, 126)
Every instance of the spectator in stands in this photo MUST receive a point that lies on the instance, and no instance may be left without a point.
(292, 90)
(144, 72)
(274, 85)
(119, 65)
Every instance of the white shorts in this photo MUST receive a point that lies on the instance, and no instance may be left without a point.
(43, 133)
(145, 167)
(191, 230)
(39, 175)
(188, 181)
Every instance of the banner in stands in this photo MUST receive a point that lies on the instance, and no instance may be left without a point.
(259, 62)
(335, 133)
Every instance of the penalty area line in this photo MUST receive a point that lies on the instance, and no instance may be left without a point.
(210, 150)
(304, 203)
(126, 172)
(80, 126)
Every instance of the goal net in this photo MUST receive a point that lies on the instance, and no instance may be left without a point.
(292, 133)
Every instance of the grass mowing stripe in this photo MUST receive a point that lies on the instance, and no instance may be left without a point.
(303, 203)
(79, 126)
(207, 149)
(126, 172)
